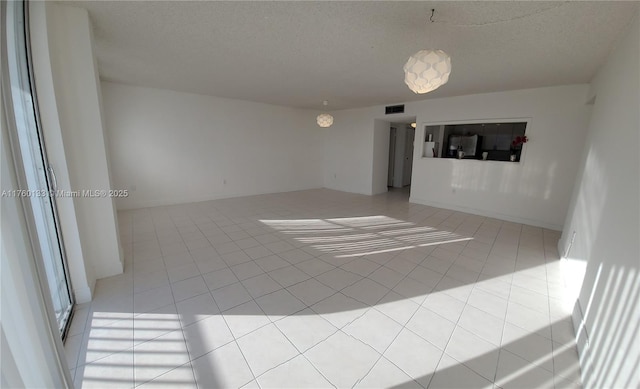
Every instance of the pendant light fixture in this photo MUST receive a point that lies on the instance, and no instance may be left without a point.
(324, 120)
(427, 70)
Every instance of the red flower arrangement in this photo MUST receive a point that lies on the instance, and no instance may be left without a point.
(518, 141)
(516, 146)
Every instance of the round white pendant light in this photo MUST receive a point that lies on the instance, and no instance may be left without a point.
(324, 120)
(427, 70)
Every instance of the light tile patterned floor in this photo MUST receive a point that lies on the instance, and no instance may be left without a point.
(326, 289)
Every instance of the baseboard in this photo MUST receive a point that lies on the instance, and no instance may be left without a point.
(487, 213)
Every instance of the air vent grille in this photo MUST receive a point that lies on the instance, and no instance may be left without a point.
(394, 109)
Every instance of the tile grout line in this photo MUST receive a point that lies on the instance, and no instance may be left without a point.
(399, 332)
(504, 324)
(553, 346)
(404, 326)
(457, 226)
(451, 336)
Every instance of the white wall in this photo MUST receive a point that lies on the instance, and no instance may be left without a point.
(170, 147)
(81, 273)
(69, 98)
(381, 130)
(348, 151)
(535, 191)
(605, 215)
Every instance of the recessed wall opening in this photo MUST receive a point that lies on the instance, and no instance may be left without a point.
(494, 141)
(401, 138)
(393, 152)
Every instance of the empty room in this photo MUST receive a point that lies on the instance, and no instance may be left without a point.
(320, 194)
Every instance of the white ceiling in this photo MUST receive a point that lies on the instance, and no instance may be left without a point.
(350, 53)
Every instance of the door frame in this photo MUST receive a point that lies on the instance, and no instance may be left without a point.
(407, 166)
(392, 156)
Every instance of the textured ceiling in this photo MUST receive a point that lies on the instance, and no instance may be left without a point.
(350, 53)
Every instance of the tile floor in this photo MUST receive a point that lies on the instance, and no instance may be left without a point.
(326, 289)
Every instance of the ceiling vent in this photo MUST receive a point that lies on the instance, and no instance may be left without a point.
(394, 109)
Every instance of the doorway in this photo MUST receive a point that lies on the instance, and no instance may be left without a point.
(401, 140)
